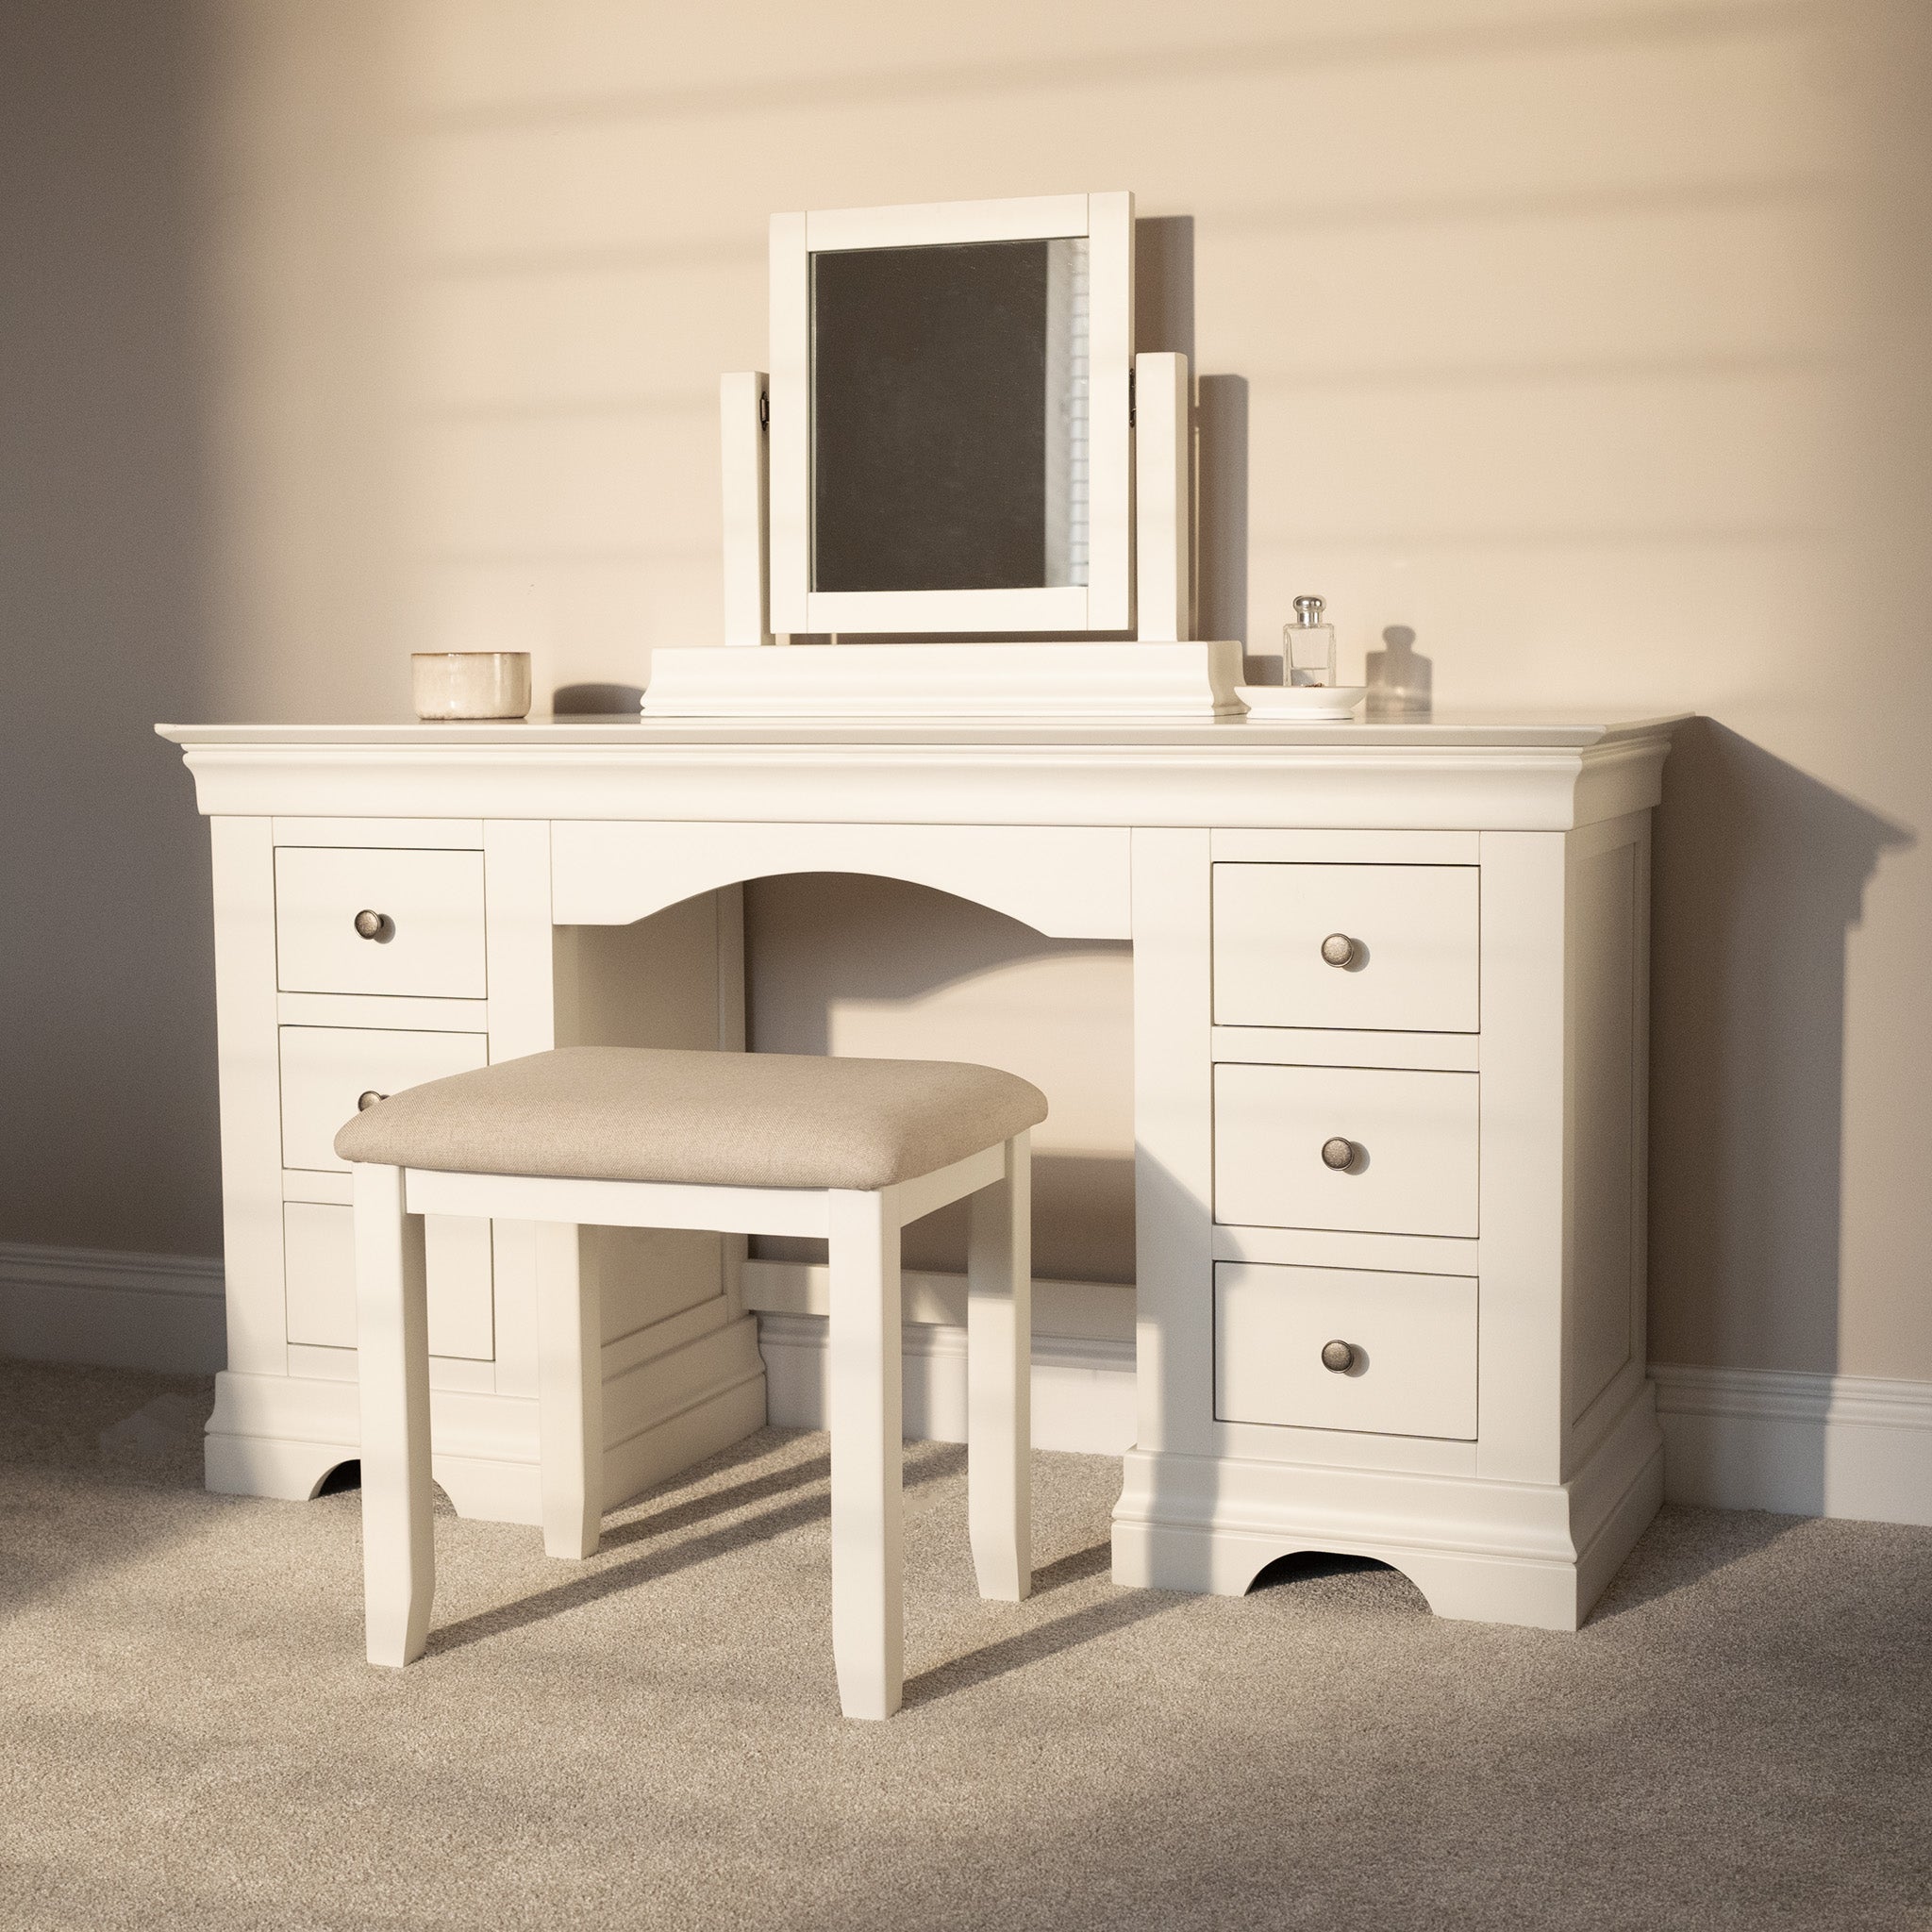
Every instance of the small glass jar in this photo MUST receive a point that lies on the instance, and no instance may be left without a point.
(1308, 645)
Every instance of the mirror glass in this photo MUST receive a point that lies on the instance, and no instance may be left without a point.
(949, 416)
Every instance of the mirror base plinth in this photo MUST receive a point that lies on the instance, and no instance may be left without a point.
(950, 682)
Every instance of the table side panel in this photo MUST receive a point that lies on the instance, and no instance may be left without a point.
(1173, 1178)
(1607, 1006)
(1521, 1163)
(246, 1040)
(522, 1020)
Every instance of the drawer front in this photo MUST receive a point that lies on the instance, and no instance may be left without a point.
(1414, 1169)
(1412, 1338)
(430, 945)
(319, 1273)
(1412, 962)
(325, 1070)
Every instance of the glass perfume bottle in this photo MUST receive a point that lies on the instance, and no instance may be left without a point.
(1307, 645)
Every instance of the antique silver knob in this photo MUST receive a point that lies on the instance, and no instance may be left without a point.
(376, 926)
(1338, 1357)
(1339, 949)
(368, 1098)
(1338, 1153)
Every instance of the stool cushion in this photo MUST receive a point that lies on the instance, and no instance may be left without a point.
(747, 1120)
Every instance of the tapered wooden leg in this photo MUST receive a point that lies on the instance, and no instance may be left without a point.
(868, 1590)
(999, 1378)
(392, 1367)
(570, 1394)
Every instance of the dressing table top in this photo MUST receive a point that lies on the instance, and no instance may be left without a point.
(1447, 731)
(1469, 773)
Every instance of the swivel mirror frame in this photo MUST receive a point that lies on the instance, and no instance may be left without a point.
(1121, 645)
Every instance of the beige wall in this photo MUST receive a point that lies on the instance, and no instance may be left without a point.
(1586, 341)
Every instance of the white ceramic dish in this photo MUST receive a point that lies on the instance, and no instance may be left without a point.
(1304, 703)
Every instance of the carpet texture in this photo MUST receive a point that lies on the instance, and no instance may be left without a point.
(1742, 1737)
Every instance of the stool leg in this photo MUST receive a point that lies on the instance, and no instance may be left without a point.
(392, 1367)
(868, 1456)
(570, 1394)
(999, 1378)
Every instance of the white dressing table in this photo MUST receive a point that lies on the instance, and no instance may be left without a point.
(1479, 1053)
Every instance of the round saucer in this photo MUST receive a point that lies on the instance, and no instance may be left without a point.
(1304, 703)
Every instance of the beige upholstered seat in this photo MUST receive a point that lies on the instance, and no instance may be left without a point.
(755, 1120)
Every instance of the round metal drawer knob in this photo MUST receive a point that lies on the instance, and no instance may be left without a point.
(1338, 1153)
(368, 1098)
(1339, 949)
(376, 926)
(1338, 1357)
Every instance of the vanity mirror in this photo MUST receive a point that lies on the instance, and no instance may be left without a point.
(950, 417)
(955, 449)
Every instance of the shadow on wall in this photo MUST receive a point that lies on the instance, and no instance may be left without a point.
(1401, 680)
(1221, 508)
(1759, 874)
(598, 702)
(1164, 322)
(1164, 286)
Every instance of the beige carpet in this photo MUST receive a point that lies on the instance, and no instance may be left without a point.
(188, 1737)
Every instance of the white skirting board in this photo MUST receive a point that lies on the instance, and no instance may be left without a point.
(1805, 1445)
(115, 1310)
(1083, 1392)
(1083, 1355)
(1735, 1439)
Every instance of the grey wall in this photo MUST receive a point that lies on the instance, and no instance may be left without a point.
(107, 1078)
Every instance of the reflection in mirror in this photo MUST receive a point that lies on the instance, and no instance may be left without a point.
(949, 416)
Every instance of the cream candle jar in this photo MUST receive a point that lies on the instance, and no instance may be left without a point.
(470, 684)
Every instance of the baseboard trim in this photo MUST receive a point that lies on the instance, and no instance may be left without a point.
(112, 1309)
(1801, 1445)
(1077, 1310)
(1083, 1388)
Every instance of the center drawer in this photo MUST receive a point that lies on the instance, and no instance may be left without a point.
(1410, 1342)
(1412, 1141)
(424, 912)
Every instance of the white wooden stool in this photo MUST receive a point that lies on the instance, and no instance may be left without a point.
(742, 1143)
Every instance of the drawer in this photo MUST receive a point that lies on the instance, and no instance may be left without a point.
(430, 943)
(1411, 967)
(1414, 1170)
(327, 1069)
(1412, 1336)
(319, 1276)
